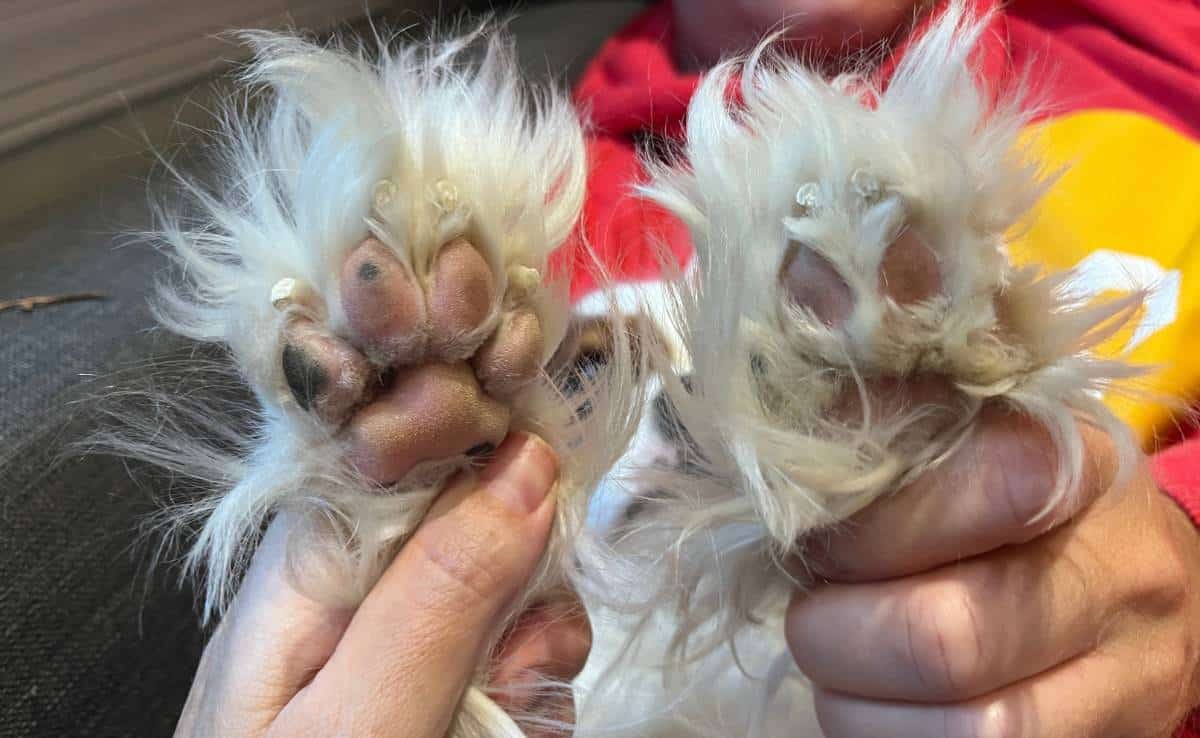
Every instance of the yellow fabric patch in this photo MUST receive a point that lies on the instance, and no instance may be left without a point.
(1131, 188)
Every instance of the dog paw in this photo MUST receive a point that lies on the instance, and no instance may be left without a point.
(425, 366)
(908, 273)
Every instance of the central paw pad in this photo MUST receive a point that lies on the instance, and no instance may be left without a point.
(428, 366)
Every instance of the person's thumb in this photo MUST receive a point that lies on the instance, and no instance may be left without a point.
(417, 639)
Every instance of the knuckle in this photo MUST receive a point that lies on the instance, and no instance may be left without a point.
(465, 563)
(1171, 588)
(1162, 582)
(944, 642)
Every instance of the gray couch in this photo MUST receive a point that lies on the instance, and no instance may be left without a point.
(91, 642)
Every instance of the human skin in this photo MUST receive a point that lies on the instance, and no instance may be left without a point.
(281, 664)
(967, 604)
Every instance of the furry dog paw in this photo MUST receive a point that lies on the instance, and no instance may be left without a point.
(433, 357)
(852, 308)
(376, 262)
(374, 259)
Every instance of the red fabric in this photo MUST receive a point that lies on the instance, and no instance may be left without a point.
(1177, 471)
(1138, 55)
(630, 89)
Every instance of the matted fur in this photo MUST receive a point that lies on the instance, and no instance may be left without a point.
(416, 145)
(779, 158)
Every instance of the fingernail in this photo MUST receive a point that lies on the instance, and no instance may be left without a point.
(521, 473)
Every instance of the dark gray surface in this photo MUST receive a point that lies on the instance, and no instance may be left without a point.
(564, 36)
(89, 643)
(89, 646)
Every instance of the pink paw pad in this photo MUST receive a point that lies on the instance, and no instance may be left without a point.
(443, 383)
(382, 302)
(512, 357)
(909, 273)
(809, 280)
(429, 412)
(461, 294)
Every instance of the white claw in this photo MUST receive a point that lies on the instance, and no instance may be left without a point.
(289, 291)
(384, 192)
(523, 280)
(808, 197)
(866, 185)
(446, 196)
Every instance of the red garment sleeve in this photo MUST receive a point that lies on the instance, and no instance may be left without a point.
(1177, 471)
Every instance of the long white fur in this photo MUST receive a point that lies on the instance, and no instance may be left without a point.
(769, 467)
(416, 145)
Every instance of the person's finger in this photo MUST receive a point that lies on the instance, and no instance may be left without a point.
(269, 644)
(1085, 698)
(418, 637)
(960, 631)
(994, 491)
(536, 661)
(969, 628)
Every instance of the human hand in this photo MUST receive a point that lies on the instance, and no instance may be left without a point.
(952, 609)
(281, 664)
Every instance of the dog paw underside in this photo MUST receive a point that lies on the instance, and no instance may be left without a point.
(377, 261)
(852, 305)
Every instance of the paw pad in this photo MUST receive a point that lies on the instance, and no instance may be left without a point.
(428, 412)
(874, 296)
(326, 376)
(383, 305)
(429, 364)
(908, 273)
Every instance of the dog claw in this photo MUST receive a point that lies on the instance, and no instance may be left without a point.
(326, 376)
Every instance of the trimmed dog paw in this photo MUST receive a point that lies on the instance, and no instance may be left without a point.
(426, 367)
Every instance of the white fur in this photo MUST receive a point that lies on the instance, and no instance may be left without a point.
(423, 144)
(769, 466)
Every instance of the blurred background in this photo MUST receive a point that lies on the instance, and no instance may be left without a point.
(90, 642)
